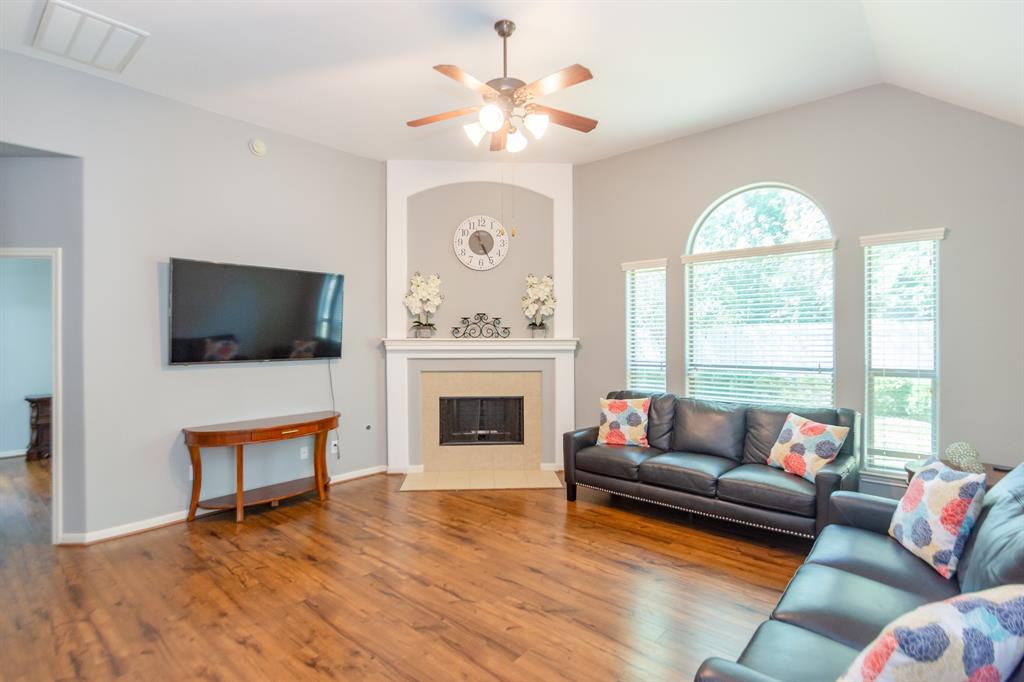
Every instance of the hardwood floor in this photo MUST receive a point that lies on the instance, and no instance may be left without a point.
(378, 584)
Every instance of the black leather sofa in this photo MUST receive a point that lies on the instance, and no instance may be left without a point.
(710, 458)
(857, 579)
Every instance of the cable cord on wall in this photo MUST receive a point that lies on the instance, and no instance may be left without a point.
(334, 408)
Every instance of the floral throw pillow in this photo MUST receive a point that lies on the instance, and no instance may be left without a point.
(218, 350)
(624, 422)
(935, 516)
(974, 637)
(803, 446)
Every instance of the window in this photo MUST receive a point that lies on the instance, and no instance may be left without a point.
(760, 299)
(645, 325)
(901, 279)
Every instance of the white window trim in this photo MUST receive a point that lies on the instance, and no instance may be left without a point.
(736, 254)
(934, 234)
(937, 234)
(645, 264)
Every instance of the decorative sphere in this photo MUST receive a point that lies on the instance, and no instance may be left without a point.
(963, 457)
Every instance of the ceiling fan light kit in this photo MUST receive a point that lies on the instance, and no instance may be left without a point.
(508, 103)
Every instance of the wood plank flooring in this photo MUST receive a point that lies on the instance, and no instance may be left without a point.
(379, 584)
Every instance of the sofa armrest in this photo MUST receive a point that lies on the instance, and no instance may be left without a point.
(721, 670)
(868, 512)
(842, 473)
(573, 442)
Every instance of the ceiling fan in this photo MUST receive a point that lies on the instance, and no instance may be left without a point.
(508, 104)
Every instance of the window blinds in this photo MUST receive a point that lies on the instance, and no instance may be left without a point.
(901, 307)
(759, 329)
(645, 328)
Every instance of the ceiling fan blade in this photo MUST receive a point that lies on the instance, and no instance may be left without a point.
(455, 113)
(457, 74)
(564, 118)
(498, 139)
(560, 80)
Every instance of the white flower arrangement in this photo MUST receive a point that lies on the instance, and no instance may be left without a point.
(423, 298)
(539, 301)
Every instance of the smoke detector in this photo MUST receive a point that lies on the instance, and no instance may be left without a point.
(87, 37)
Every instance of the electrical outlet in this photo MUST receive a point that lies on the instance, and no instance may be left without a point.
(304, 452)
(334, 448)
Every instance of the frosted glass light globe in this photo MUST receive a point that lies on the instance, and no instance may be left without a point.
(475, 132)
(516, 141)
(537, 124)
(492, 117)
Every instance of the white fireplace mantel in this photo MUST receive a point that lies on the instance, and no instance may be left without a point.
(399, 351)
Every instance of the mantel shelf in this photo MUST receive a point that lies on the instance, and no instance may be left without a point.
(405, 345)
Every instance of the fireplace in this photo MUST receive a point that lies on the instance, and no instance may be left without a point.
(481, 420)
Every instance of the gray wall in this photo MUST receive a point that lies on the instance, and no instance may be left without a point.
(433, 216)
(41, 206)
(876, 160)
(164, 179)
(26, 344)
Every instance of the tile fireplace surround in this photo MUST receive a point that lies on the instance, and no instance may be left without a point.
(415, 366)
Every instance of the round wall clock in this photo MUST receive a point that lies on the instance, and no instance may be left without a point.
(480, 242)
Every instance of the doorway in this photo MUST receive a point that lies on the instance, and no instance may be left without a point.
(30, 394)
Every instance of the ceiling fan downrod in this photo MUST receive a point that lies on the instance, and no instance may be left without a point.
(504, 28)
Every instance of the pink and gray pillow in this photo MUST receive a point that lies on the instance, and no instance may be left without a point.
(624, 422)
(804, 446)
(973, 637)
(935, 516)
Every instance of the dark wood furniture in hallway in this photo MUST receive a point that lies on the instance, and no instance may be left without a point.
(39, 417)
(378, 584)
(268, 430)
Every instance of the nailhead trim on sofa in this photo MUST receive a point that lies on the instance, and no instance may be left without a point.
(694, 511)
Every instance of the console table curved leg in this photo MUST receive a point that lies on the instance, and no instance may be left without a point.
(239, 496)
(320, 464)
(197, 480)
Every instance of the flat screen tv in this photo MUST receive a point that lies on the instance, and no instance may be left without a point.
(221, 312)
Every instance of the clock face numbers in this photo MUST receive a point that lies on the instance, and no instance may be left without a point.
(480, 242)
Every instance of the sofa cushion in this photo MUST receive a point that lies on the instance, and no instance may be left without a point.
(687, 471)
(880, 558)
(787, 652)
(618, 461)
(762, 486)
(994, 554)
(843, 606)
(710, 428)
(659, 416)
(764, 425)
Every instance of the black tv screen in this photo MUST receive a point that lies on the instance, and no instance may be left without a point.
(221, 312)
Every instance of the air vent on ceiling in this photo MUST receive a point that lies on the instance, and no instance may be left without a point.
(87, 37)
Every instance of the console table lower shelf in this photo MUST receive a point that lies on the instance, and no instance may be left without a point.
(239, 434)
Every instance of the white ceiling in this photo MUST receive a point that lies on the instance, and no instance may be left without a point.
(349, 74)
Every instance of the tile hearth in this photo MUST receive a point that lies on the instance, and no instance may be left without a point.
(480, 480)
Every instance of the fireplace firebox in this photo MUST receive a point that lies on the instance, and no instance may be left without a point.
(482, 420)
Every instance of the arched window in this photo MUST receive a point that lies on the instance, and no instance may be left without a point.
(760, 301)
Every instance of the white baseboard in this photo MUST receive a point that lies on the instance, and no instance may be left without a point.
(174, 517)
(411, 469)
(551, 466)
(12, 453)
(359, 473)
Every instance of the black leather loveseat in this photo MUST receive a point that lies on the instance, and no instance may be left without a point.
(857, 579)
(709, 458)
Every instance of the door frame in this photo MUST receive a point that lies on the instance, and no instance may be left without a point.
(53, 254)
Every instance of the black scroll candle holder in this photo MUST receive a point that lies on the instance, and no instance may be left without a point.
(480, 326)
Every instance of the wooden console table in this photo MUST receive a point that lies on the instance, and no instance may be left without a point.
(266, 430)
(39, 416)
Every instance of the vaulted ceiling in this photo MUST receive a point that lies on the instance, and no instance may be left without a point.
(349, 74)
